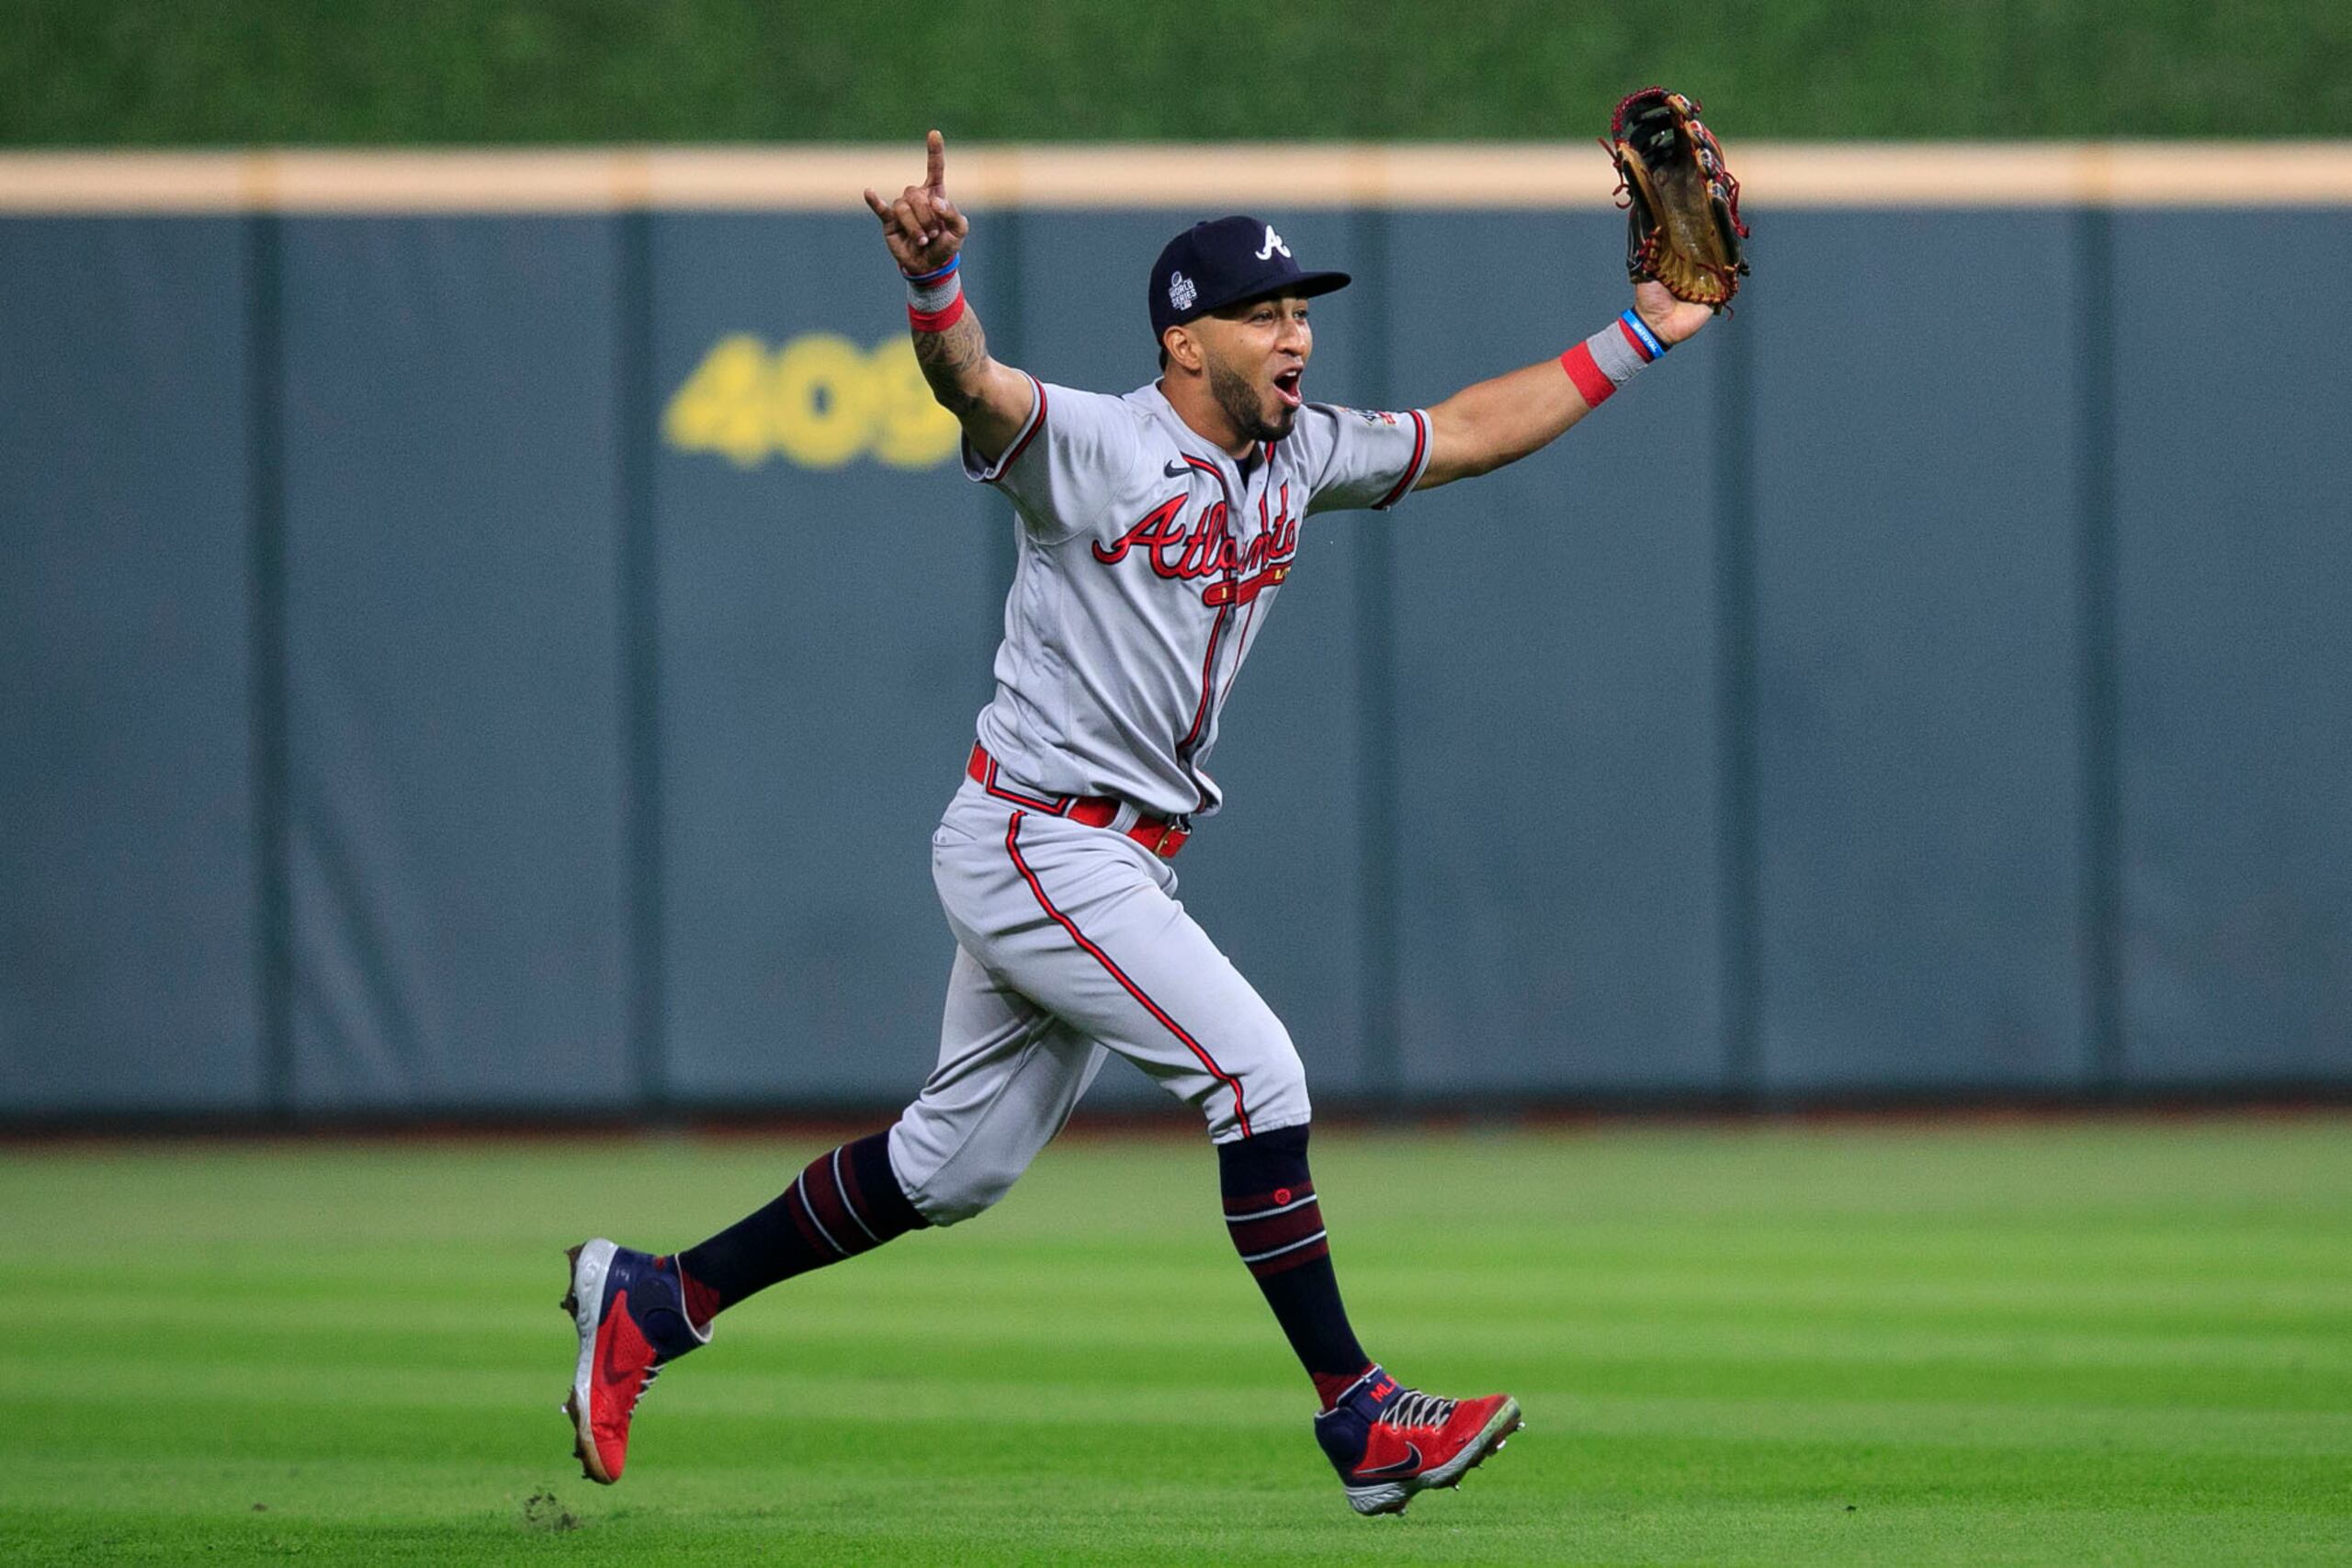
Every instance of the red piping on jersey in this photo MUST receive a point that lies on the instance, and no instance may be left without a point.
(1413, 469)
(1216, 632)
(1251, 600)
(1012, 848)
(1036, 423)
(1208, 676)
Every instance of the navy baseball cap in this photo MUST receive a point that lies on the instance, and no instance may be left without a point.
(1223, 262)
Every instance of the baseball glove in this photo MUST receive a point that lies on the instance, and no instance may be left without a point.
(1682, 224)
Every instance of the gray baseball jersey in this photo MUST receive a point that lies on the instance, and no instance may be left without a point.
(1148, 563)
(1148, 559)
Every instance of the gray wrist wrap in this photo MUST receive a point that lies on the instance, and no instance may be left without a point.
(1616, 359)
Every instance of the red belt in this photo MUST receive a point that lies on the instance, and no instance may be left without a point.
(1157, 834)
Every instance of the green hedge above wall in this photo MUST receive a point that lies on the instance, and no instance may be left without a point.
(127, 73)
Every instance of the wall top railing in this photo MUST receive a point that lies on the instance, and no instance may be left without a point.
(820, 178)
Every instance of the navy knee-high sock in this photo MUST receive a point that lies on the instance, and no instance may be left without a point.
(846, 1201)
(1277, 1225)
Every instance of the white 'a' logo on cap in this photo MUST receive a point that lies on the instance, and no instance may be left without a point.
(1181, 292)
(1273, 243)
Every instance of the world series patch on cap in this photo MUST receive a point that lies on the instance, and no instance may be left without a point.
(1223, 262)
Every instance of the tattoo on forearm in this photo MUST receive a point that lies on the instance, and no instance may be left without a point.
(950, 360)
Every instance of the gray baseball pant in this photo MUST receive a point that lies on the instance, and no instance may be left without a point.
(1071, 945)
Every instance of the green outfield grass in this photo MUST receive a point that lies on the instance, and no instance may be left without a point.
(2106, 1343)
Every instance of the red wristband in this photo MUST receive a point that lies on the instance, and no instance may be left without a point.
(1595, 388)
(939, 320)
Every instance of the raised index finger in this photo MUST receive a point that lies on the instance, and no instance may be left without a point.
(934, 173)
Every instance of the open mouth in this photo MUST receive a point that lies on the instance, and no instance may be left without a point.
(1286, 388)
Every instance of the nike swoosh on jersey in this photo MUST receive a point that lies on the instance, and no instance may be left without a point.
(1177, 470)
(1406, 1466)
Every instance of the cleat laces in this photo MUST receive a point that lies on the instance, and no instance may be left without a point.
(643, 1383)
(1414, 1408)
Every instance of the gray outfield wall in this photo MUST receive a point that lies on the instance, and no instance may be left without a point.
(511, 664)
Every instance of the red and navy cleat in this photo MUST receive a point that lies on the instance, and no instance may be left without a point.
(1390, 1442)
(631, 1313)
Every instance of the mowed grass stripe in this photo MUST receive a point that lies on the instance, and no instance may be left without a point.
(1915, 1401)
(2058, 1343)
(1755, 1259)
(107, 1324)
(75, 1399)
(1605, 1499)
(2315, 1366)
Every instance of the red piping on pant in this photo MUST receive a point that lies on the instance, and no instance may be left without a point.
(1012, 848)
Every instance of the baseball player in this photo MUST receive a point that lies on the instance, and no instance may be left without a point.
(1156, 531)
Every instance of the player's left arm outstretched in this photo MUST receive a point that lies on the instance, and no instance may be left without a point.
(925, 233)
(1492, 422)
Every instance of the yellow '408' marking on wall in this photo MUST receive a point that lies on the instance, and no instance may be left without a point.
(818, 401)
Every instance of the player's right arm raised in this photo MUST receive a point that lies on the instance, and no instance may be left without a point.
(925, 233)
